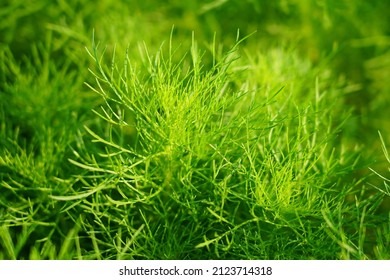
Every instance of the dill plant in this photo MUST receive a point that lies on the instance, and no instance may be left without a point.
(183, 120)
(190, 155)
(189, 162)
(246, 152)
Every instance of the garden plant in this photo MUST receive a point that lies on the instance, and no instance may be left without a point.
(194, 130)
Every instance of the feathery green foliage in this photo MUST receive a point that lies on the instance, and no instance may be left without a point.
(202, 141)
